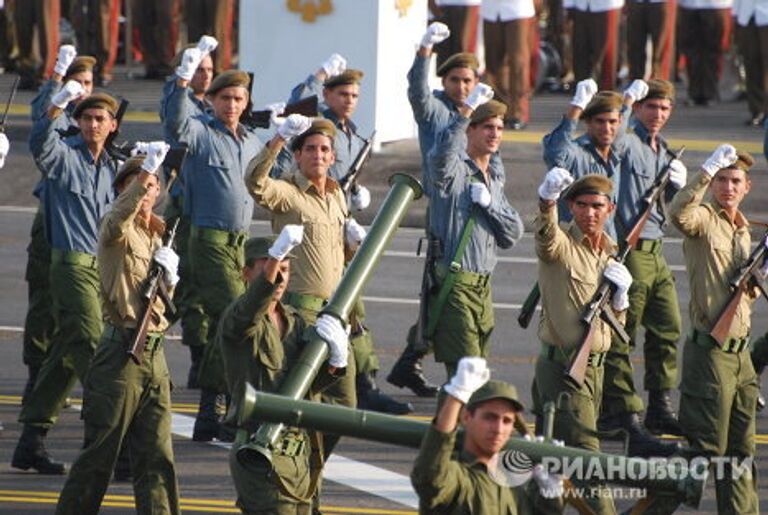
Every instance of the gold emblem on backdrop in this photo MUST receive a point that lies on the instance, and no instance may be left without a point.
(402, 6)
(310, 9)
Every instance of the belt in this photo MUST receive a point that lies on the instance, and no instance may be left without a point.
(221, 237)
(464, 277)
(564, 356)
(731, 346)
(73, 257)
(154, 339)
(652, 246)
(304, 301)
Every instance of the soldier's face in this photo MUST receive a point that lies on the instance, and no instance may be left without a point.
(315, 156)
(229, 104)
(488, 429)
(602, 128)
(485, 137)
(342, 100)
(86, 81)
(653, 113)
(729, 187)
(250, 273)
(96, 124)
(201, 79)
(150, 197)
(457, 84)
(590, 212)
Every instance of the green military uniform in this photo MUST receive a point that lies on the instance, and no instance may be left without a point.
(124, 400)
(719, 385)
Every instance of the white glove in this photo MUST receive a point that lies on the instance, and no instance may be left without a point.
(293, 125)
(169, 260)
(555, 182)
(72, 90)
(140, 147)
(436, 33)
(360, 199)
(637, 90)
(334, 65)
(67, 54)
(332, 331)
(585, 90)
(206, 45)
(723, 157)
(622, 279)
(480, 194)
(479, 95)
(550, 485)
(190, 60)
(354, 231)
(678, 173)
(471, 374)
(289, 237)
(156, 151)
(5, 146)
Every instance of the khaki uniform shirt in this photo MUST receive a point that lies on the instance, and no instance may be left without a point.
(319, 261)
(570, 272)
(714, 248)
(126, 246)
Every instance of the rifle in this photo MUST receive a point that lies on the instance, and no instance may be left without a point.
(746, 276)
(11, 95)
(428, 284)
(154, 286)
(261, 119)
(349, 181)
(597, 305)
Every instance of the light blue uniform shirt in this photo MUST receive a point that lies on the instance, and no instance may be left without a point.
(498, 225)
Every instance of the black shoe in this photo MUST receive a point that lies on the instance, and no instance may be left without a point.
(641, 443)
(760, 401)
(207, 422)
(369, 397)
(660, 418)
(408, 373)
(31, 453)
(196, 355)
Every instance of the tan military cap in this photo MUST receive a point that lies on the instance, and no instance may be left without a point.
(603, 102)
(488, 110)
(97, 101)
(130, 167)
(344, 78)
(496, 390)
(590, 185)
(229, 79)
(660, 88)
(460, 60)
(319, 126)
(745, 161)
(82, 63)
(258, 248)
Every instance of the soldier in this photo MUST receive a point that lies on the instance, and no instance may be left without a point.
(751, 19)
(652, 297)
(654, 19)
(215, 17)
(157, 22)
(461, 18)
(78, 191)
(218, 204)
(96, 24)
(472, 217)
(596, 40)
(572, 261)
(469, 484)
(123, 400)
(261, 340)
(38, 18)
(719, 385)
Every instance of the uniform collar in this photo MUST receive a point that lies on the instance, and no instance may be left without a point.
(585, 142)
(494, 165)
(740, 221)
(606, 243)
(642, 132)
(218, 125)
(328, 114)
(445, 99)
(304, 184)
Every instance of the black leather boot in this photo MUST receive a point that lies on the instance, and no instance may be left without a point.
(660, 418)
(369, 397)
(207, 421)
(408, 373)
(641, 443)
(196, 355)
(31, 453)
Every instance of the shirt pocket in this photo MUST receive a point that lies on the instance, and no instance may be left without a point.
(78, 185)
(583, 285)
(138, 258)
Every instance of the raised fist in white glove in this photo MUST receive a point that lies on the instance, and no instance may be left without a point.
(471, 374)
(334, 65)
(207, 44)
(550, 485)
(360, 198)
(289, 237)
(436, 33)
(555, 182)
(678, 173)
(332, 331)
(622, 279)
(72, 90)
(637, 90)
(354, 232)
(156, 151)
(190, 60)
(169, 260)
(5, 146)
(67, 54)
(479, 95)
(480, 194)
(293, 125)
(723, 157)
(585, 90)
(140, 147)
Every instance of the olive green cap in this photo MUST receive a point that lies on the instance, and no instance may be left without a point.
(590, 185)
(82, 63)
(488, 110)
(660, 88)
(603, 102)
(460, 60)
(744, 161)
(97, 101)
(496, 390)
(130, 167)
(319, 126)
(258, 248)
(346, 77)
(229, 79)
